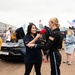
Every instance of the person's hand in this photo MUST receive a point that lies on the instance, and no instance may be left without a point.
(30, 45)
(38, 36)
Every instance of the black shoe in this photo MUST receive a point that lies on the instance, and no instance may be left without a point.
(69, 63)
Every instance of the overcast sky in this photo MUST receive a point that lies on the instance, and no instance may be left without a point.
(19, 12)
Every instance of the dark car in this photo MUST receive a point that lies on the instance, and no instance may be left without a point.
(13, 51)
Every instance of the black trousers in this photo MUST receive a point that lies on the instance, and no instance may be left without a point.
(28, 68)
(55, 61)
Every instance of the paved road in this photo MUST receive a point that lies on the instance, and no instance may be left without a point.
(12, 68)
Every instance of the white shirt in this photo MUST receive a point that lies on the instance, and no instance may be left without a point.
(8, 36)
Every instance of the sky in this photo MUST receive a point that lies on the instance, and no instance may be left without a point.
(20, 12)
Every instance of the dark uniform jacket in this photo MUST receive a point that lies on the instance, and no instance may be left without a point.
(54, 43)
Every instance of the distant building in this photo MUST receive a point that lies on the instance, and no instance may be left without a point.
(3, 27)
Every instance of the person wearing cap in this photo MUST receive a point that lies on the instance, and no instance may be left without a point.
(54, 44)
(8, 35)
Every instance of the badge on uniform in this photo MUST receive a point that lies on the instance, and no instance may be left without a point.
(51, 38)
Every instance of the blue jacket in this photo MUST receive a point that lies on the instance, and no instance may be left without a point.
(69, 40)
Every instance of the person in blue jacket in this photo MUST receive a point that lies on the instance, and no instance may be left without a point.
(33, 56)
(69, 46)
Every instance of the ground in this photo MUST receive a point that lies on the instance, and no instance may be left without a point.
(12, 68)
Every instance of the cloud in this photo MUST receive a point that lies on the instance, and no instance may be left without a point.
(18, 12)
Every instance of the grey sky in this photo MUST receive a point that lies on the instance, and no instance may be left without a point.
(18, 12)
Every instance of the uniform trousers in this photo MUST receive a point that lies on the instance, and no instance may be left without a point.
(55, 61)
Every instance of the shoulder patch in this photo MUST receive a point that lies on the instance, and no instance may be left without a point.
(51, 38)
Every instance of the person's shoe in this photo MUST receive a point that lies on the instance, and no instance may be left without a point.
(65, 61)
(62, 48)
(69, 63)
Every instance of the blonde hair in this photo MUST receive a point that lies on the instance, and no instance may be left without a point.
(55, 21)
(70, 32)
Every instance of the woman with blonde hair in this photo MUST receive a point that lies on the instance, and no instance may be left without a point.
(69, 46)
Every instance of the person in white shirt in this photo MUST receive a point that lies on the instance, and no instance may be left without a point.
(8, 35)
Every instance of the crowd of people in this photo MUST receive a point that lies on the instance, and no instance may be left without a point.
(9, 35)
(36, 51)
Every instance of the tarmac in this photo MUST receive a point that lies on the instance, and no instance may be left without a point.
(12, 68)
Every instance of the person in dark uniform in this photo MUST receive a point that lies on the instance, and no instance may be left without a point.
(54, 44)
(33, 56)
